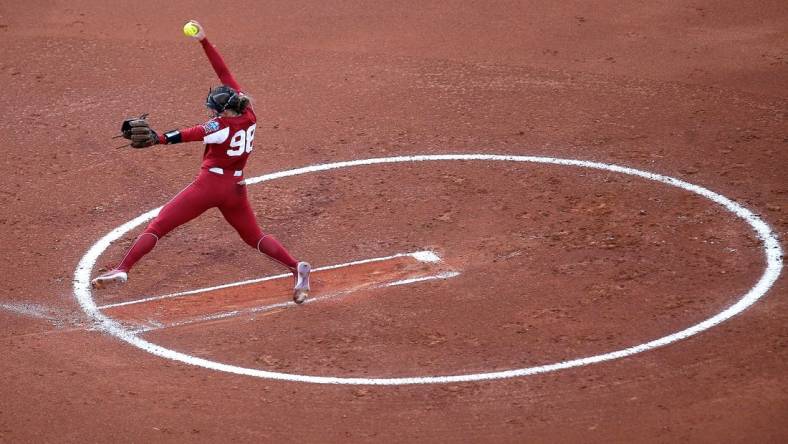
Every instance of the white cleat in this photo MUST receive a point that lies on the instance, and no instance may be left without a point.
(301, 290)
(110, 278)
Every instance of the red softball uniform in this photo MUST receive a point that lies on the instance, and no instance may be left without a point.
(228, 140)
(228, 143)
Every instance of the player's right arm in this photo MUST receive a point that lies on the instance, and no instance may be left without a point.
(217, 62)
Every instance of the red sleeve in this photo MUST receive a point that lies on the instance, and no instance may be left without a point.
(218, 65)
(191, 134)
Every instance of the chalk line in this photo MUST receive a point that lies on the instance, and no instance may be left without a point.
(291, 304)
(444, 275)
(421, 256)
(772, 250)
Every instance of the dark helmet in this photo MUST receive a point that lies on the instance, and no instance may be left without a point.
(221, 98)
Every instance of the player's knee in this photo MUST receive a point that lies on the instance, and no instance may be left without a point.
(251, 236)
(252, 241)
(155, 230)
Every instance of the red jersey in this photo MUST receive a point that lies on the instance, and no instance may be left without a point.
(228, 140)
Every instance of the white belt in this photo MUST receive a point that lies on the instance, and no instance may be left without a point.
(215, 170)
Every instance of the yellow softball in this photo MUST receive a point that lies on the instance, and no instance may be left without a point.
(190, 29)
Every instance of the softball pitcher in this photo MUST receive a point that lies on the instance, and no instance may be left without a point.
(228, 138)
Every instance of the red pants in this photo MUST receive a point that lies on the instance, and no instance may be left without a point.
(209, 190)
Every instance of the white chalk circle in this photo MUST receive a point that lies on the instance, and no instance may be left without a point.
(771, 248)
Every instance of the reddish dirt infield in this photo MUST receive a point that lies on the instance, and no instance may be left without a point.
(556, 262)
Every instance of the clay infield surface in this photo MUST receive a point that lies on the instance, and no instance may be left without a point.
(430, 268)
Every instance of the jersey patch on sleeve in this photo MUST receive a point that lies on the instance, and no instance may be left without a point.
(217, 137)
(211, 126)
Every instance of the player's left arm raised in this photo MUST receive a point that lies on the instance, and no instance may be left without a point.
(217, 62)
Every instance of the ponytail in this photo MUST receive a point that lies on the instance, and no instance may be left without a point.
(244, 101)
